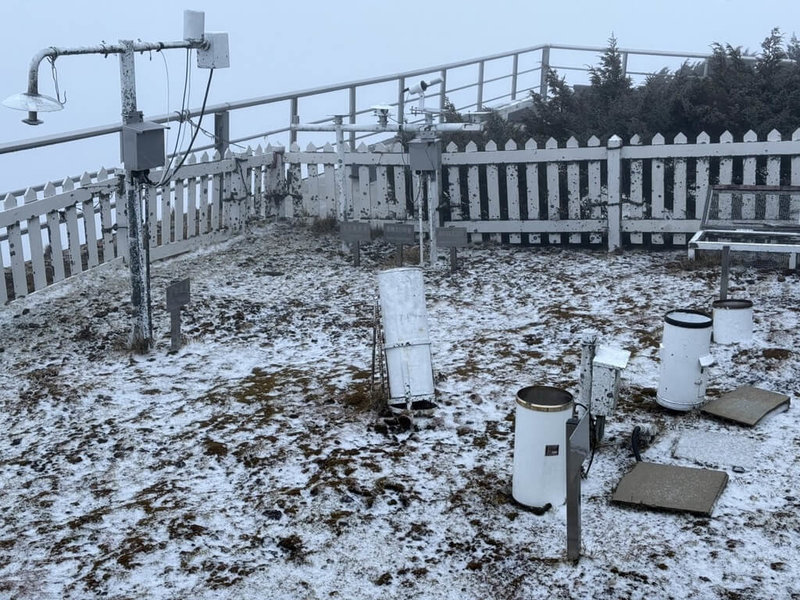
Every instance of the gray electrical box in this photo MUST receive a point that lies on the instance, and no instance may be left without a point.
(142, 146)
(217, 55)
(425, 154)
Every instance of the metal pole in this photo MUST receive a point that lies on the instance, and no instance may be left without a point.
(574, 461)
(341, 199)
(479, 105)
(141, 334)
(433, 215)
(293, 114)
(514, 76)
(723, 282)
(401, 102)
(175, 330)
(545, 68)
(578, 447)
(442, 93)
(422, 184)
(353, 117)
(588, 344)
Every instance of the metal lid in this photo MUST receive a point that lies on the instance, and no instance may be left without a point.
(732, 303)
(688, 318)
(399, 270)
(544, 398)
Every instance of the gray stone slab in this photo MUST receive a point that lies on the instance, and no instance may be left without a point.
(718, 449)
(669, 487)
(747, 405)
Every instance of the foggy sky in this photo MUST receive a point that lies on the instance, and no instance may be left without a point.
(283, 46)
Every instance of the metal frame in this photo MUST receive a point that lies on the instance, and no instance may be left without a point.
(784, 240)
(765, 238)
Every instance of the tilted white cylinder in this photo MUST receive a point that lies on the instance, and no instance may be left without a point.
(684, 359)
(540, 446)
(733, 321)
(406, 336)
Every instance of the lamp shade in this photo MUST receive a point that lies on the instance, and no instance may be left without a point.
(33, 103)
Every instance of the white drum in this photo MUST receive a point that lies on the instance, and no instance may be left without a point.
(540, 446)
(685, 359)
(733, 321)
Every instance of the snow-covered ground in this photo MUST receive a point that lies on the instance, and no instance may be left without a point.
(250, 465)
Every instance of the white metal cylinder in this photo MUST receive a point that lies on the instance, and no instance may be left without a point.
(684, 359)
(406, 335)
(733, 321)
(540, 446)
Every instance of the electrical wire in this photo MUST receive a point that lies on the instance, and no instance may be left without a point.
(184, 101)
(197, 130)
(214, 137)
(166, 73)
(592, 444)
(54, 72)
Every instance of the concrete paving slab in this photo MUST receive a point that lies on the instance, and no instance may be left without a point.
(747, 405)
(718, 449)
(669, 487)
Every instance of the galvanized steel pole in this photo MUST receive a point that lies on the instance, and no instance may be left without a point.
(340, 175)
(141, 337)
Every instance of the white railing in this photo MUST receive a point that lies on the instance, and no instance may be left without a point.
(471, 85)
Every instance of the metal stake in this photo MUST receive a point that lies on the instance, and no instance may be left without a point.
(175, 330)
(723, 283)
(433, 215)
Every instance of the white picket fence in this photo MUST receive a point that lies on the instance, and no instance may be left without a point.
(209, 200)
(633, 193)
(615, 194)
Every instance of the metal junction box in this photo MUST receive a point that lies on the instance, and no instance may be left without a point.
(606, 366)
(217, 55)
(425, 154)
(142, 146)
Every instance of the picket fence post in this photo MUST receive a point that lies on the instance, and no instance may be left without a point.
(614, 158)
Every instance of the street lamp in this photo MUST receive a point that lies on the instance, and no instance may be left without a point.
(34, 104)
(138, 140)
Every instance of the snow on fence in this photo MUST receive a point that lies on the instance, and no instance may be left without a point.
(208, 201)
(615, 194)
